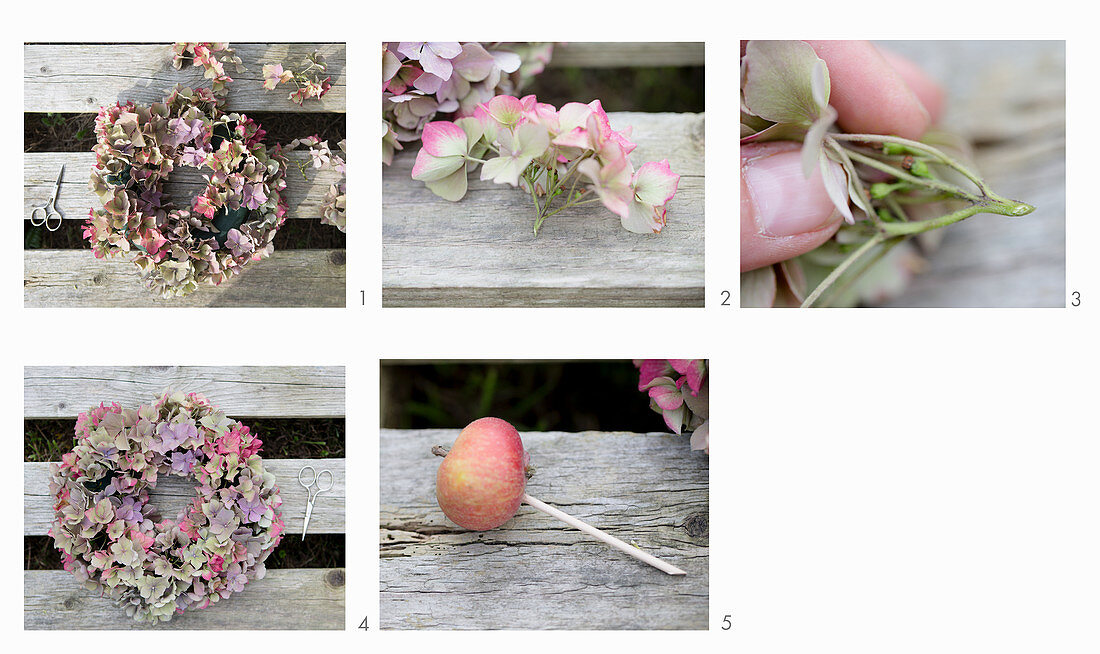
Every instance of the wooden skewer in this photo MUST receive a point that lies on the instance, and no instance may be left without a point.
(607, 538)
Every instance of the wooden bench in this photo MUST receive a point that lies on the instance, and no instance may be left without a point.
(481, 252)
(534, 572)
(306, 598)
(82, 78)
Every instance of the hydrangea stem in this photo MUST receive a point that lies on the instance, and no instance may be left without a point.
(555, 187)
(920, 147)
(870, 244)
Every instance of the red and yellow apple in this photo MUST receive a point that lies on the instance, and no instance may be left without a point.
(481, 482)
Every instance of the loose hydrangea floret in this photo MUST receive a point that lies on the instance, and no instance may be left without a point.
(334, 204)
(212, 58)
(115, 542)
(308, 83)
(572, 153)
(176, 249)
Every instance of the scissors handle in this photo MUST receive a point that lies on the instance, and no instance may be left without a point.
(45, 215)
(49, 210)
(322, 488)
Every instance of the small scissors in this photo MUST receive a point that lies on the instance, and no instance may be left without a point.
(313, 489)
(49, 210)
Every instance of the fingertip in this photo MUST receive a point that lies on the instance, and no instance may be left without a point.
(928, 91)
(869, 94)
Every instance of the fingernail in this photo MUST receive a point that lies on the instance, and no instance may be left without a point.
(785, 203)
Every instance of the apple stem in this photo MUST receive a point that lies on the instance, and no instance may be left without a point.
(607, 538)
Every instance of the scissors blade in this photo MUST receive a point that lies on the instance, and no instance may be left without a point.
(309, 514)
(57, 185)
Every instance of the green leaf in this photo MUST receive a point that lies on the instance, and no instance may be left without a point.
(224, 220)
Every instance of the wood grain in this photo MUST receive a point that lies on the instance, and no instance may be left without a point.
(84, 77)
(304, 598)
(627, 55)
(173, 493)
(1010, 99)
(76, 198)
(242, 391)
(481, 251)
(289, 278)
(534, 572)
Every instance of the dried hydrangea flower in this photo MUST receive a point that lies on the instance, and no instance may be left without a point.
(572, 153)
(212, 57)
(679, 390)
(421, 81)
(333, 206)
(308, 83)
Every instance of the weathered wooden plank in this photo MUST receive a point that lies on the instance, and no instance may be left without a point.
(76, 198)
(304, 598)
(627, 55)
(174, 493)
(242, 391)
(1009, 98)
(534, 572)
(289, 278)
(481, 251)
(84, 77)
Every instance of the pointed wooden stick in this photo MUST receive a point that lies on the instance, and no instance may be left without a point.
(607, 538)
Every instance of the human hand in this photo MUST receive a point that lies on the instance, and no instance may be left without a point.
(783, 214)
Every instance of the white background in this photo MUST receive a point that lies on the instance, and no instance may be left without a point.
(882, 480)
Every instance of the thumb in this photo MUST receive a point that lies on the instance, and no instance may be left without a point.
(783, 214)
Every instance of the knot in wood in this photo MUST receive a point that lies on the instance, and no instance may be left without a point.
(335, 578)
(697, 525)
(71, 603)
(97, 279)
(338, 258)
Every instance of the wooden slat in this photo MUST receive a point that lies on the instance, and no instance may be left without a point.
(242, 391)
(627, 55)
(289, 278)
(304, 598)
(480, 251)
(82, 78)
(174, 493)
(534, 572)
(76, 198)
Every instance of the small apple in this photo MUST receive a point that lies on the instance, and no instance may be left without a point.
(481, 482)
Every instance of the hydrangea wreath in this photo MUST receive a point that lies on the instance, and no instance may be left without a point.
(114, 541)
(231, 222)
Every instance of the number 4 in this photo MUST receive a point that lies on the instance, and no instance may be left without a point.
(363, 624)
